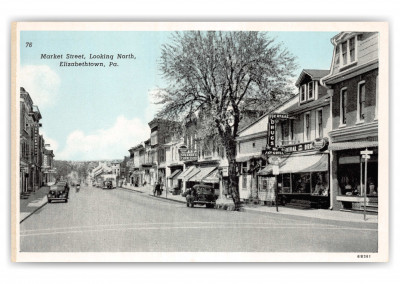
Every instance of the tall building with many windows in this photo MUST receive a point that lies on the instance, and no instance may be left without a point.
(353, 83)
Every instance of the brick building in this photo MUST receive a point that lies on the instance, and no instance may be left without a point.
(353, 84)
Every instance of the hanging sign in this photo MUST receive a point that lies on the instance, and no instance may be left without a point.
(272, 149)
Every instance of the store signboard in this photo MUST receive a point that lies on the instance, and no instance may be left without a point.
(188, 155)
(272, 148)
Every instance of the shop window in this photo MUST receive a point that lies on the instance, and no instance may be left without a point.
(361, 101)
(301, 183)
(343, 106)
(320, 183)
(351, 174)
(284, 183)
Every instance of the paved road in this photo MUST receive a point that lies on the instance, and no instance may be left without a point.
(121, 220)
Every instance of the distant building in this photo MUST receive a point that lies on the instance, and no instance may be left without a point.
(30, 148)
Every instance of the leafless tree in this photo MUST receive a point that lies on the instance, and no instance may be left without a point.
(221, 74)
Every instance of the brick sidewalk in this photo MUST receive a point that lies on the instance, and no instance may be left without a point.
(34, 202)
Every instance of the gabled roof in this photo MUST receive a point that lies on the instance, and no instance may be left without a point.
(322, 101)
(264, 115)
(315, 74)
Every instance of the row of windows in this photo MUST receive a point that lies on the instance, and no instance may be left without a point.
(346, 52)
(361, 98)
(308, 90)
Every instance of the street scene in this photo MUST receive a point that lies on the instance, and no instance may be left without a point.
(93, 219)
(209, 141)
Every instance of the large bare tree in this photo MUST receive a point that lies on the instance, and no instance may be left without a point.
(221, 74)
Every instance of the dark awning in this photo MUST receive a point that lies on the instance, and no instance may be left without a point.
(352, 145)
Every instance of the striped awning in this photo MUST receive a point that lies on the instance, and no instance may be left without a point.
(213, 177)
(300, 164)
(183, 174)
(202, 173)
(174, 174)
(352, 145)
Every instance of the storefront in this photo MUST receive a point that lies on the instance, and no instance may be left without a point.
(349, 178)
(172, 179)
(302, 181)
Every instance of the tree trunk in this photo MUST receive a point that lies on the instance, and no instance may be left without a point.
(233, 188)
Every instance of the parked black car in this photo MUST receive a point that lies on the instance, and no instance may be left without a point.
(201, 194)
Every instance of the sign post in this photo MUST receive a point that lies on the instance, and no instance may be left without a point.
(366, 155)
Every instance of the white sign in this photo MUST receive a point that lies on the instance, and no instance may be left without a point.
(366, 152)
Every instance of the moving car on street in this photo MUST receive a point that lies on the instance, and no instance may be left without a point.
(201, 194)
(58, 192)
(110, 181)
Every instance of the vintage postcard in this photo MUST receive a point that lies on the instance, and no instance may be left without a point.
(200, 141)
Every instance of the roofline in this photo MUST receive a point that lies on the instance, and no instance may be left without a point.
(268, 113)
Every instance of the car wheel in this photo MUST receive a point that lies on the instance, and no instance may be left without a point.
(66, 200)
(49, 201)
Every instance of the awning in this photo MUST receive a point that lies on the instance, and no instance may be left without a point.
(194, 172)
(202, 173)
(300, 164)
(213, 177)
(183, 174)
(247, 158)
(174, 174)
(353, 145)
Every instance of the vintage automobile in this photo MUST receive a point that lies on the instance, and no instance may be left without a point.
(201, 194)
(58, 192)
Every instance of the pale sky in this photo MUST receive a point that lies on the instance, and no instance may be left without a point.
(93, 113)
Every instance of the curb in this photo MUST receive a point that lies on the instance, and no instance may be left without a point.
(131, 189)
(33, 212)
(180, 201)
(252, 211)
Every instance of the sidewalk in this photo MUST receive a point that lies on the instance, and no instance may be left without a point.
(148, 189)
(34, 202)
(324, 214)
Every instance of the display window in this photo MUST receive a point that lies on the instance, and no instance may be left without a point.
(351, 174)
(301, 183)
(320, 183)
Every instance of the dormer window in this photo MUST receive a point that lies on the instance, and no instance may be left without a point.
(348, 51)
(310, 90)
(303, 93)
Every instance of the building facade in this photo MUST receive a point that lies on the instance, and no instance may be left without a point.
(251, 141)
(353, 83)
(303, 168)
(30, 145)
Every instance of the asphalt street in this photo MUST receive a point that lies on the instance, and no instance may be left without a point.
(121, 220)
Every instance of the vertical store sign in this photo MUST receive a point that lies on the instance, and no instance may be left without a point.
(272, 149)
